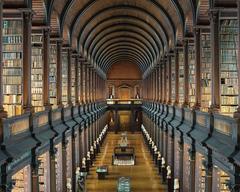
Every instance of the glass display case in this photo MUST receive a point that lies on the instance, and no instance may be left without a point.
(228, 65)
(22, 180)
(12, 52)
(206, 62)
(37, 72)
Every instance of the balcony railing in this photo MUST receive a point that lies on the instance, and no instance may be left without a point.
(124, 102)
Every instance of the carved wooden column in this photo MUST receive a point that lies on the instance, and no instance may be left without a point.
(176, 77)
(27, 60)
(59, 73)
(197, 40)
(46, 51)
(186, 74)
(214, 36)
(69, 79)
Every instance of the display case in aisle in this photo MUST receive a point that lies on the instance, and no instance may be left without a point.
(12, 52)
(206, 62)
(228, 65)
(37, 72)
(22, 180)
(53, 75)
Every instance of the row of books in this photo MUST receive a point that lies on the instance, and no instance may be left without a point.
(12, 55)
(12, 47)
(13, 99)
(12, 89)
(16, 39)
(11, 80)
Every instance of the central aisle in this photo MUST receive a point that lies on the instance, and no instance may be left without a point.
(144, 175)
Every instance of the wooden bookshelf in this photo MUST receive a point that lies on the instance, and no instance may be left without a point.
(22, 180)
(12, 41)
(192, 75)
(43, 172)
(206, 62)
(64, 77)
(220, 180)
(53, 75)
(58, 166)
(73, 81)
(181, 76)
(79, 82)
(173, 76)
(200, 173)
(37, 72)
(228, 65)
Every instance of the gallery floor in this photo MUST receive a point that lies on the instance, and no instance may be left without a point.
(144, 175)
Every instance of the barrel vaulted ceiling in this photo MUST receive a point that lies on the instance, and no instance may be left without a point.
(104, 32)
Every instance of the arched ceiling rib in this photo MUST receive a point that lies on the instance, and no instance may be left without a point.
(107, 31)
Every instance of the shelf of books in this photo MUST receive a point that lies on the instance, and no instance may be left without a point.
(199, 173)
(43, 172)
(58, 166)
(79, 81)
(64, 77)
(186, 167)
(228, 65)
(192, 75)
(181, 76)
(206, 61)
(220, 180)
(22, 180)
(37, 72)
(69, 161)
(73, 80)
(53, 75)
(173, 76)
(12, 41)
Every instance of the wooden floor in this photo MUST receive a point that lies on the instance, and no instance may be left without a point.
(144, 176)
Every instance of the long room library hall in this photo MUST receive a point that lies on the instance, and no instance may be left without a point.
(119, 95)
